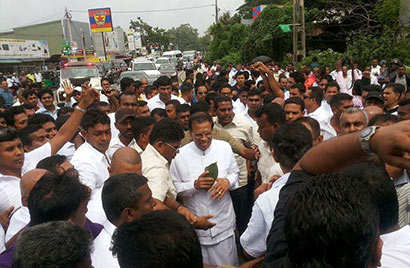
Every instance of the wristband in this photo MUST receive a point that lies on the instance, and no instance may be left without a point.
(80, 109)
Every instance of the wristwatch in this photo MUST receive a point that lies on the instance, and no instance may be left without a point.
(365, 137)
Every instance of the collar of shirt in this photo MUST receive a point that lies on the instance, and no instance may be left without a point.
(233, 123)
(201, 152)
(109, 227)
(97, 154)
(151, 150)
(44, 110)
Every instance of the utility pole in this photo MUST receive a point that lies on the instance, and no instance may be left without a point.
(216, 11)
(68, 17)
(299, 34)
(83, 39)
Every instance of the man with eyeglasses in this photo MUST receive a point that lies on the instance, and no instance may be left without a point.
(313, 103)
(164, 143)
(204, 194)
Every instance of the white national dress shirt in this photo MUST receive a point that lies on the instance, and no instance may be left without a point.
(253, 240)
(32, 158)
(116, 144)
(9, 192)
(396, 249)
(102, 256)
(95, 208)
(18, 221)
(238, 106)
(242, 131)
(114, 131)
(67, 150)
(186, 168)
(327, 130)
(156, 169)
(267, 166)
(326, 107)
(155, 102)
(92, 166)
(319, 114)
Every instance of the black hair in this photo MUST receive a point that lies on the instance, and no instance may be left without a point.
(163, 81)
(200, 106)
(61, 120)
(105, 79)
(93, 117)
(297, 101)
(126, 93)
(120, 192)
(383, 118)
(186, 88)
(160, 239)
(268, 99)
(211, 96)
(249, 83)
(64, 110)
(51, 163)
(160, 112)
(55, 198)
(166, 130)
(8, 134)
(9, 114)
(183, 108)
(45, 91)
(254, 92)
(274, 112)
(313, 123)
(25, 133)
(198, 118)
(317, 94)
(140, 125)
(40, 119)
(238, 73)
(220, 99)
(381, 189)
(333, 84)
(174, 103)
(331, 221)
(216, 86)
(28, 93)
(148, 89)
(298, 77)
(369, 88)
(404, 102)
(141, 103)
(137, 84)
(290, 142)
(226, 85)
(337, 99)
(397, 88)
(300, 87)
(126, 82)
(27, 106)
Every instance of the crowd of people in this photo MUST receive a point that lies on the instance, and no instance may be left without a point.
(243, 166)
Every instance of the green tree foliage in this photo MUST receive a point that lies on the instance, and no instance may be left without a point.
(266, 38)
(150, 35)
(245, 10)
(228, 37)
(388, 12)
(183, 37)
(325, 58)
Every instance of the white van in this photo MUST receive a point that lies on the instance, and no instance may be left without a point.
(173, 54)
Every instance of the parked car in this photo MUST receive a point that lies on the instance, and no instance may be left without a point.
(148, 67)
(135, 75)
(161, 60)
(168, 69)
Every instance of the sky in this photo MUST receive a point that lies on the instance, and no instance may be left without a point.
(48, 10)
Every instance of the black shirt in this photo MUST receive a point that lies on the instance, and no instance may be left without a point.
(277, 247)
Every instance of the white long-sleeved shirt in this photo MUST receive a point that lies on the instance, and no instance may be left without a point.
(92, 166)
(102, 256)
(187, 166)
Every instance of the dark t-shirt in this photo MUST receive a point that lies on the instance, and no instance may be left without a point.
(277, 247)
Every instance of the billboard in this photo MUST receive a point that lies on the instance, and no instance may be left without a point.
(134, 40)
(256, 11)
(100, 20)
(19, 49)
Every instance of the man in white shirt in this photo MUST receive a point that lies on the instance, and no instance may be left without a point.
(47, 99)
(269, 117)
(313, 104)
(330, 126)
(124, 118)
(128, 100)
(241, 131)
(125, 198)
(332, 88)
(141, 130)
(39, 78)
(164, 89)
(165, 140)
(90, 158)
(203, 194)
(375, 68)
(290, 142)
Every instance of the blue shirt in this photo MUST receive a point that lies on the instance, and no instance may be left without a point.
(45, 111)
(8, 96)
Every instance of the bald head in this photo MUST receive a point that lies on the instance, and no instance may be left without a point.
(125, 160)
(28, 181)
(279, 101)
(372, 111)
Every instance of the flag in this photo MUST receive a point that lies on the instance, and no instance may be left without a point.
(100, 20)
(256, 11)
(284, 27)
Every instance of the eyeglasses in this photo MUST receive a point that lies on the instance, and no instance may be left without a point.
(172, 147)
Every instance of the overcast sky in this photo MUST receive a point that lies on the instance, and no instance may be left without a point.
(15, 13)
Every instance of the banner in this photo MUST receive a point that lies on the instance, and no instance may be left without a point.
(100, 20)
(23, 49)
(256, 11)
(134, 40)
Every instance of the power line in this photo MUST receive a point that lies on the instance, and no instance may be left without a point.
(148, 11)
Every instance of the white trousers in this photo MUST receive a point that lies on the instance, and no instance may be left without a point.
(224, 252)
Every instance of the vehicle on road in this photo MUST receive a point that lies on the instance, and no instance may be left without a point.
(162, 60)
(148, 67)
(135, 75)
(168, 69)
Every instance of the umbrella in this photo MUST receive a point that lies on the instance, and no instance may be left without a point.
(264, 59)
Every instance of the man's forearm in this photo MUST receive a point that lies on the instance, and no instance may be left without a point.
(332, 155)
(275, 86)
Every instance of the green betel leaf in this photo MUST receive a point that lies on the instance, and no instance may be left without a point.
(213, 170)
